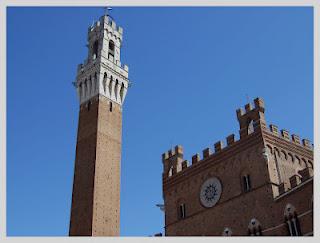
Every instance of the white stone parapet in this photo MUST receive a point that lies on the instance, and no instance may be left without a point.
(104, 81)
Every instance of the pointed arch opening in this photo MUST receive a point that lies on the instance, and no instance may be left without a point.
(117, 89)
(104, 82)
(110, 86)
(122, 92)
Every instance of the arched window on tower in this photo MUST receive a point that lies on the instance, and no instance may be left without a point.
(111, 50)
(95, 50)
(292, 220)
(254, 228)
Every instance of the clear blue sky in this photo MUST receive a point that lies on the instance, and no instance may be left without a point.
(191, 68)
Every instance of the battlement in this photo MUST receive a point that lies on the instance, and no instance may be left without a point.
(173, 159)
(284, 134)
(295, 181)
(251, 118)
(108, 24)
(177, 151)
(248, 108)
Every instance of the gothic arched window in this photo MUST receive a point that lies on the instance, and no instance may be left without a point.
(292, 220)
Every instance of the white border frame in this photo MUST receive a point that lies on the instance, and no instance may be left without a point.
(63, 3)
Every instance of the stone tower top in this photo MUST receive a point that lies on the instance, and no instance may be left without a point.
(105, 28)
(102, 72)
(252, 118)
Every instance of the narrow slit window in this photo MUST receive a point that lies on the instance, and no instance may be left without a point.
(182, 211)
(246, 183)
(110, 108)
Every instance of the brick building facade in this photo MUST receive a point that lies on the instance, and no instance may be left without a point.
(261, 184)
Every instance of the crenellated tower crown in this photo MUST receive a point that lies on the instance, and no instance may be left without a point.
(102, 72)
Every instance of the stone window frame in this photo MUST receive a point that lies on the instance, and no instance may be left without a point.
(292, 220)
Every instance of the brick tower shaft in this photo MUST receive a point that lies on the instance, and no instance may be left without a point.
(96, 192)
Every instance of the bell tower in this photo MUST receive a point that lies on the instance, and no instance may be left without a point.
(101, 84)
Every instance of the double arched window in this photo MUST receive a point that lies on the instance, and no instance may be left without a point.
(292, 220)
